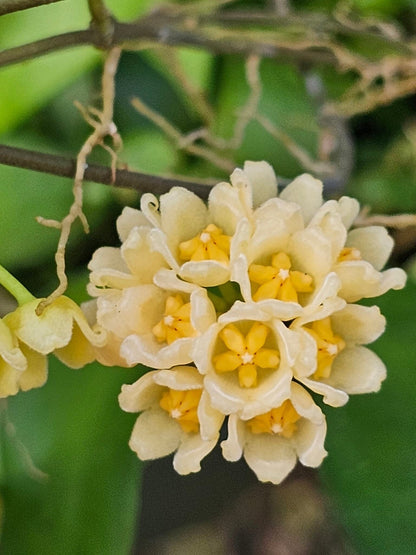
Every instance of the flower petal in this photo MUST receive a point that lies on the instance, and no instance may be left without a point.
(228, 397)
(357, 370)
(140, 395)
(270, 457)
(225, 207)
(311, 252)
(155, 434)
(128, 219)
(210, 420)
(133, 310)
(358, 324)
(37, 370)
(135, 250)
(78, 352)
(207, 273)
(13, 380)
(374, 244)
(304, 404)
(183, 215)
(144, 349)
(309, 441)
(306, 191)
(348, 208)
(331, 396)
(179, 378)
(232, 447)
(360, 280)
(44, 333)
(9, 350)
(108, 269)
(263, 181)
(191, 451)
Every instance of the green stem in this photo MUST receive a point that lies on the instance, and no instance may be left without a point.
(13, 286)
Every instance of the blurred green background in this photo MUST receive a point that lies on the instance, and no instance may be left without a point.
(69, 483)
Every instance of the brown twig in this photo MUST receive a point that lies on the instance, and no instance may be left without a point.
(172, 30)
(65, 167)
(45, 46)
(10, 6)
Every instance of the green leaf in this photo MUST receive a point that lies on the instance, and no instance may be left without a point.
(371, 466)
(75, 432)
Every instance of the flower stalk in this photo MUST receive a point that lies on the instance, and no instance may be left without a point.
(14, 287)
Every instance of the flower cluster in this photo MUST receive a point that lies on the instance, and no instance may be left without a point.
(242, 306)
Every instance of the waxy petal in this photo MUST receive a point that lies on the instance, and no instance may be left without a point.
(360, 280)
(306, 192)
(233, 446)
(129, 219)
(191, 451)
(373, 242)
(270, 457)
(263, 181)
(183, 215)
(358, 324)
(141, 395)
(155, 434)
(357, 370)
(310, 443)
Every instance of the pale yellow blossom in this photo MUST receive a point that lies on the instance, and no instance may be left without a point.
(161, 322)
(246, 357)
(344, 365)
(272, 442)
(61, 328)
(176, 417)
(21, 368)
(26, 338)
(293, 242)
(196, 240)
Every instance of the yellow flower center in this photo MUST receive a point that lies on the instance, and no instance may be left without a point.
(329, 346)
(277, 421)
(183, 407)
(176, 321)
(349, 253)
(246, 354)
(278, 281)
(210, 244)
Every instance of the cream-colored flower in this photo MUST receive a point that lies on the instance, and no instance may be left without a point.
(196, 240)
(328, 244)
(26, 339)
(246, 357)
(151, 316)
(273, 441)
(61, 328)
(176, 417)
(134, 263)
(21, 368)
(344, 365)
(292, 243)
(160, 322)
